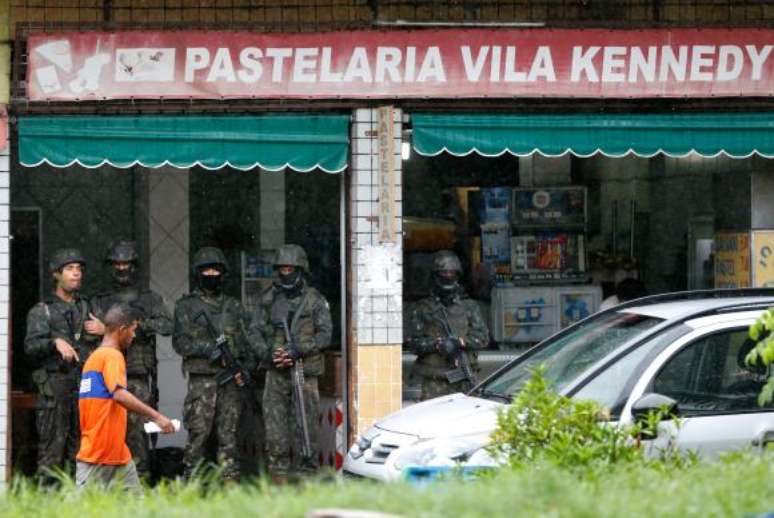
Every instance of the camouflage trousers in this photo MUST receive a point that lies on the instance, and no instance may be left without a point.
(58, 425)
(436, 387)
(283, 427)
(254, 430)
(136, 438)
(212, 412)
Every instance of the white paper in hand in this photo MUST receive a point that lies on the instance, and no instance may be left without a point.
(151, 427)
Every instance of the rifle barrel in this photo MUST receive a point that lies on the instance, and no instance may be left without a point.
(297, 377)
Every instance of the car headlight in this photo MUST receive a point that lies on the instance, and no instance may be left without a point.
(440, 452)
(359, 447)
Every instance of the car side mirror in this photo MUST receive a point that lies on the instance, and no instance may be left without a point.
(653, 403)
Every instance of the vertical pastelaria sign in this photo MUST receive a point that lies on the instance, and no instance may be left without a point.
(386, 174)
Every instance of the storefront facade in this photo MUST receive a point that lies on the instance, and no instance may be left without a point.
(444, 92)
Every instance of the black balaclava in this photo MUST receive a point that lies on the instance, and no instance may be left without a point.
(446, 286)
(211, 283)
(124, 278)
(291, 283)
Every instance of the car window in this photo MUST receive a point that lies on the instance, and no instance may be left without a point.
(709, 376)
(570, 354)
(610, 388)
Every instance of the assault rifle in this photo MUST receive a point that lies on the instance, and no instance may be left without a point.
(222, 354)
(297, 378)
(452, 349)
(150, 338)
(73, 337)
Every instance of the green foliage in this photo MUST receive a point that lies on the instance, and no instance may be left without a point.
(763, 352)
(736, 486)
(541, 425)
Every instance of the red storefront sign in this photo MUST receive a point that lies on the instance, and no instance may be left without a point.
(472, 63)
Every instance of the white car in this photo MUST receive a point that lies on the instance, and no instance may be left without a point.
(689, 347)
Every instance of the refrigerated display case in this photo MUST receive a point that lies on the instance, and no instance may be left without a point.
(547, 287)
(548, 228)
(528, 314)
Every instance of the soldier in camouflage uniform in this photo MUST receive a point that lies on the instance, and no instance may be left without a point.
(428, 337)
(61, 333)
(309, 321)
(141, 363)
(211, 410)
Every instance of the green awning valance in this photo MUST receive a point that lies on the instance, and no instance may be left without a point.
(738, 135)
(273, 142)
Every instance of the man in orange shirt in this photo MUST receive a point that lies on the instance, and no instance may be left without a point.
(103, 401)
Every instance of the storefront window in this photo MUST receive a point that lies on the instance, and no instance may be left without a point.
(169, 214)
(544, 242)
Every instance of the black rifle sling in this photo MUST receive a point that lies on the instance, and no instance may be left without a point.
(297, 314)
(279, 308)
(83, 319)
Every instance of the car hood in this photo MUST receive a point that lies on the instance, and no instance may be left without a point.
(447, 416)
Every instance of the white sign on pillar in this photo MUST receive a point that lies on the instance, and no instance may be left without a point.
(386, 174)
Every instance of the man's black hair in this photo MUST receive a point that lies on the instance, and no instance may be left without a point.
(120, 314)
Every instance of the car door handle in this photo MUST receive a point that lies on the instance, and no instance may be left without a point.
(763, 439)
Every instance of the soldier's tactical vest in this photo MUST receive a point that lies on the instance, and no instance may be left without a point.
(225, 318)
(435, 365)
(56, 378)
(141, 356)
(301, 323)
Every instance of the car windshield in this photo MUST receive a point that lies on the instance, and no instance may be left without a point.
(569, 355)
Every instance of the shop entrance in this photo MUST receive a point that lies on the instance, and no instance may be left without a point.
(555, 217)
(172, 196)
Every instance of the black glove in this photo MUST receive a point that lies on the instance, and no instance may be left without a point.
(213, 353)
(449, 347)
(294, 353)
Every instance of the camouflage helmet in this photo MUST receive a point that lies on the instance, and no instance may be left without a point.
(65, 256)
(123, 251)
(291, 255)
(209, 256)
(446, 260)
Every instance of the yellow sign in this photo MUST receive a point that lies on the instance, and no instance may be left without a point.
(732, 260)
(763, 258)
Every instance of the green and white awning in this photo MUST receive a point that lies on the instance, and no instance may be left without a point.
(301, 142)
(738, 135)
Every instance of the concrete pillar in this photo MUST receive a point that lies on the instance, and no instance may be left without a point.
(377, 275)
(5, 217)
(169, 222)
(5, 346)
(272, 216)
